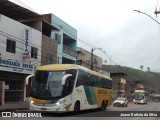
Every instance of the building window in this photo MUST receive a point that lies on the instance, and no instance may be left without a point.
(34, 52)
(11, 46)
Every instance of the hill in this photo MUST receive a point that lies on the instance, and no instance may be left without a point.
(151, 79)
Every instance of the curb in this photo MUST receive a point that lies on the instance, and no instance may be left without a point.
(13, 109)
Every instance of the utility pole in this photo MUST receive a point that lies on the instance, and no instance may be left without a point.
(92, 56)
(92, 59)
(157, 12)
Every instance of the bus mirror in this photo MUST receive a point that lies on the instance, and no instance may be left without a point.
(28, 77)
(65, 77)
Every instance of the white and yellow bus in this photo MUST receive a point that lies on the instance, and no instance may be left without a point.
(69, 87)
(140, 96)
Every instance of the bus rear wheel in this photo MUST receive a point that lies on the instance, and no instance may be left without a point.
(104, 105)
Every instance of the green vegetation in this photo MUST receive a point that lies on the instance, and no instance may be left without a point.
(150, 79)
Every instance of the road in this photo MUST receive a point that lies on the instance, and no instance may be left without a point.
(136, 109)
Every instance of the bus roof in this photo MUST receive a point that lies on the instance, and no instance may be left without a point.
(139, 91)
(98, 74)
(57, 67)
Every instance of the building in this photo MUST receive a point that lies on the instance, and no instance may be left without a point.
(122, 87)
(119, 84)
(20, 52)
(84, 59)
(52, 27)
(49, 45)
(66, 37)
(130, 89)
(37, 39)
(62, 35)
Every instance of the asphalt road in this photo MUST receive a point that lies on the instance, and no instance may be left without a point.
(152, 109)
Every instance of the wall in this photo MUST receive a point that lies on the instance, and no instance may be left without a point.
(12, 65)
(64, 28)
(15, 31)
(119, 86)
(85, 56)
(35, 24)
(49, 46)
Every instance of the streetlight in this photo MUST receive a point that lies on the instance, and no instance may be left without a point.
(147, 15)
(92, 56)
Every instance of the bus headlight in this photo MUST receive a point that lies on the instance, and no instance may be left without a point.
(57, 103)
(61, 102)
(31, 101)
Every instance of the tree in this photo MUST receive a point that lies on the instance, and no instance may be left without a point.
(141, 67)
(148, 69)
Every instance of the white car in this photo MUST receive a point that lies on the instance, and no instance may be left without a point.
(120, 101)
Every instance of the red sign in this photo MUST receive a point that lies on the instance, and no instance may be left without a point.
(26, 55)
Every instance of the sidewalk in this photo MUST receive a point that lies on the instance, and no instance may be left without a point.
(13, 106)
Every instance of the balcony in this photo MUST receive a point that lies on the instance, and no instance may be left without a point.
(69, 51)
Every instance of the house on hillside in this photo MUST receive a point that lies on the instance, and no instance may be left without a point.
(119, 84)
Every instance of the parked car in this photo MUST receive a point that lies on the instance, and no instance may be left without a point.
(120, 101)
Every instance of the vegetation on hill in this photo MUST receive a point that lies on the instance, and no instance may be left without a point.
(151, 79)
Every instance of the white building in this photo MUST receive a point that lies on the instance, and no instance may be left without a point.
(20, 52)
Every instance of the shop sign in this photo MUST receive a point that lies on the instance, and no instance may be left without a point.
(26, 38)
(16, 66)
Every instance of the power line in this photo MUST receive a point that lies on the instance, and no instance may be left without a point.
(86, 42)
(142, 59)
(82, 41)
(20, 41)
(157, 16)
(18, 53)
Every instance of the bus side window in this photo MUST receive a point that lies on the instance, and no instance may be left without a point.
(68, 87)
(87, 80)
(80, 79)
(73, 72)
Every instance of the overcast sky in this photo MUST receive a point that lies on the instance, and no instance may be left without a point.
(128, 38)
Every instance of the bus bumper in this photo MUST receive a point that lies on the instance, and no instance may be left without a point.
(47, 107)
(139, 101)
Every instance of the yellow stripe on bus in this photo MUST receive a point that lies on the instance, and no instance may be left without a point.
(102, 94)
(37, 100)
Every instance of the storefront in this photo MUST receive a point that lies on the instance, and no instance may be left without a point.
(13, 73)
(20, 51)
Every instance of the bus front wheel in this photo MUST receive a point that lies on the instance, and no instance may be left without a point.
(77, 107)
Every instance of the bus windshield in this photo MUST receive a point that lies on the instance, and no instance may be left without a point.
(48, 84)
(139, 95)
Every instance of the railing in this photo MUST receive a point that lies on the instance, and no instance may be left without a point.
(69, 51)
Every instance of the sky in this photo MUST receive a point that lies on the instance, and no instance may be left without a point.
(128, 38)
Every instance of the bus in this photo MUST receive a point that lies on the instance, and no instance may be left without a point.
(140, 96)
(69, 87)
